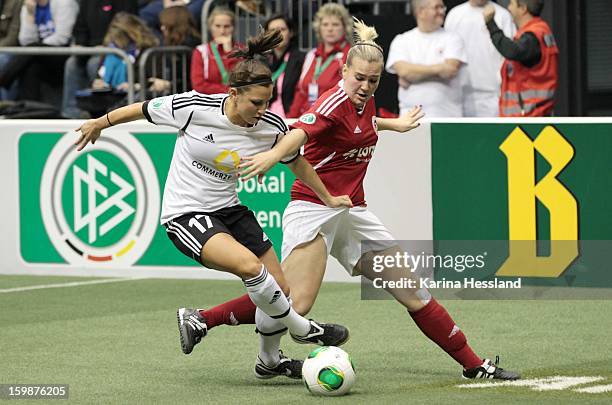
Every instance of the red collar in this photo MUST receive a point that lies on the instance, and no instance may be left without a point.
(338, 47)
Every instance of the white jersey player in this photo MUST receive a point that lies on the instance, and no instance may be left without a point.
(202, 175)
(201, 211)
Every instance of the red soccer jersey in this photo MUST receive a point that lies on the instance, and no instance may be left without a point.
(341, 142)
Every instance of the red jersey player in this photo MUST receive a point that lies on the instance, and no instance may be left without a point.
(341, 159)
(339, 134)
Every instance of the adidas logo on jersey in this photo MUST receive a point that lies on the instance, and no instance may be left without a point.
(357, 130)
(209, 138)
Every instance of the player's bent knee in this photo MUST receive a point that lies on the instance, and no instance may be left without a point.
(282, 282)
(249, 268)
(412, 305)
(301, 306)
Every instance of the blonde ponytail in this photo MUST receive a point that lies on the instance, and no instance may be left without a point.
(363, 32)
(365, 48)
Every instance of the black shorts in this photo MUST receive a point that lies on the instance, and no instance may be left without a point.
(191, 231)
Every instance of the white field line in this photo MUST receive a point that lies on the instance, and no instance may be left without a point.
(72, 284)
(555, 383)
(596, 389)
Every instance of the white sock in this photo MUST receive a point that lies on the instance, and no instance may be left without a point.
(270, 333)
(267, 295)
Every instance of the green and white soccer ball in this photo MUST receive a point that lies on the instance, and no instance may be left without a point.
(328, 370)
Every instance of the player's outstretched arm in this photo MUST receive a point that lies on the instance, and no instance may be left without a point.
(304, 171)
(405, 123)
(91, 129)
(259, 164)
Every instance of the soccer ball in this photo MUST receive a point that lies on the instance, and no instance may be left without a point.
(328, 370)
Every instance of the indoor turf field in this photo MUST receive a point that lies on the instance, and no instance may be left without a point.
(117, 343)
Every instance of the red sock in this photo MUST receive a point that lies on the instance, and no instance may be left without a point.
(238, 311)
(436, 324)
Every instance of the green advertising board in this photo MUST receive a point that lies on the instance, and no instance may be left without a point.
(532, 198)
(100, 207)
(544, 188)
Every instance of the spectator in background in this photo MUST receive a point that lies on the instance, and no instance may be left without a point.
(322, 67)
(529, 73)
(130, 34)
(91, 25)
(481, 94)
(9, 22)
(9, 30)
(47, 22)
(178, 28)
(286, 65)
(150, 12)
(42, 23)
(211, 62)
(428, 61)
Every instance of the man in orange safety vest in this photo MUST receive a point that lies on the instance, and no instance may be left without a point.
(529, 73)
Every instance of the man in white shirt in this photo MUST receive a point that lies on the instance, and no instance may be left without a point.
(481, 93)
(428, 61)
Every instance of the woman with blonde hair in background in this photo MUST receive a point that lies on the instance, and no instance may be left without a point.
(322, 67)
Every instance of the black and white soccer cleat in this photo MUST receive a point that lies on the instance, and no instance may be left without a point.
(286, 367)
(488, 369)
(192, 328)
(324, 334)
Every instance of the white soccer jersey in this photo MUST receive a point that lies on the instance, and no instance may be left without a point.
(202, 176)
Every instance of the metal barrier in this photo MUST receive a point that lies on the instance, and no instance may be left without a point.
(376, 4)
(247, 23)
(175, 53)
(301, 11)
(69, 50)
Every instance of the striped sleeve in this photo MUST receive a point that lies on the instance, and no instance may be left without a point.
(275, 120)
(279, 125)
(323, 115)
(177, 110)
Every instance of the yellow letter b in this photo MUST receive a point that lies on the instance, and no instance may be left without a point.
(523, 260)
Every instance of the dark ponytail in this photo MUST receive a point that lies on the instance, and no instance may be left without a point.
(254, 69)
